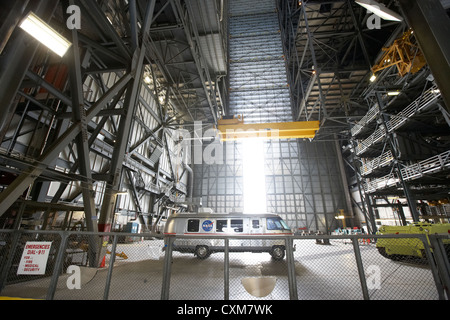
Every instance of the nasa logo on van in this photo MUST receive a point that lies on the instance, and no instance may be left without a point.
(207, 225)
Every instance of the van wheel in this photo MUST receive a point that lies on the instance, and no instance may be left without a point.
(202, 252)
(277, 253)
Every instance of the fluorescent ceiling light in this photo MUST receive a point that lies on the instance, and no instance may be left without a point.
(373, 78)
(380, 10)
(393, 93)
(42, 32)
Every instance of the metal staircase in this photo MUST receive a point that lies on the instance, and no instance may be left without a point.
(395, 122)
(406, 173)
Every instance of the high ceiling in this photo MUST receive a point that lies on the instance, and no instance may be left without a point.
(331, 50)
(183, 55)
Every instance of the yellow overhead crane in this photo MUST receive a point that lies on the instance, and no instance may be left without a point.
(404, 54)
(234, 128)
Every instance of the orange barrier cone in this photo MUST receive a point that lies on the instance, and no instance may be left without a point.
(102, 265)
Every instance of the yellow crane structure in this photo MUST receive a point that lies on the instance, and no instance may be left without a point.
(404, 54)
(234, 128)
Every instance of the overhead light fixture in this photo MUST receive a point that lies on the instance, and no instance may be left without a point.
(147, 80)
(45, 34)
(380, 10)
(393, 93)
(373, 78)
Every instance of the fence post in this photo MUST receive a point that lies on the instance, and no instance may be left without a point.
(110, 269)
(439, 265)
(167, 269)
(226, 269)
(7, 266)
(58, 266)
(359, 264)
(292, 280)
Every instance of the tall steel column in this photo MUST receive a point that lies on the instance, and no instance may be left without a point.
(406, 189)
(79, 116)
(431, 26)
(107, 210)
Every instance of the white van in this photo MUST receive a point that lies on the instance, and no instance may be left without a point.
(232, 224)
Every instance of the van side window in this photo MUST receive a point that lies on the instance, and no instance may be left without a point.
(221, 225)
(255, 224)
(237, 225)
(192, 225)
(276, 224)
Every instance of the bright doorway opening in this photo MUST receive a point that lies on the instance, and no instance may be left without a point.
(254, 176)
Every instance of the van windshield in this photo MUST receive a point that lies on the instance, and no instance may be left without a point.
(276, 224)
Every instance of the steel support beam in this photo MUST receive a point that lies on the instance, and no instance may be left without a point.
(79, 116)
(131, 98)
(409, 196)
(359, 34)
(192, 38)
(431, 26)
(343, 177)
(98, 17)
(22, 182)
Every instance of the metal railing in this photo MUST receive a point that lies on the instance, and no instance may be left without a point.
(378, 162)
(380, 183)
(377, 136)
(91, 266)
(417, 170)
(431, 165)
(427, 99)
(370, 115)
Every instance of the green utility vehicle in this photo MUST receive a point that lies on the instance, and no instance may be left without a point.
(404, 248)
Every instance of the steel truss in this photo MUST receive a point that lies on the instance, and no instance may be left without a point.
(396, 147)
(101, 120)
(303, 180)
(329, 53)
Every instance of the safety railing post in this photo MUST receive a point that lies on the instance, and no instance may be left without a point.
(112, 259)
(226, 269)
(167, 270)
(58, 265)
(292, 280)
(438, 264)
(359, 264)
(7, 266)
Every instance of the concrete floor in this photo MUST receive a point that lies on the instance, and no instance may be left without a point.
(322, 272)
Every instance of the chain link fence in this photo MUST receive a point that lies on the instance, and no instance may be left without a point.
(118, 266)
(333, 270)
